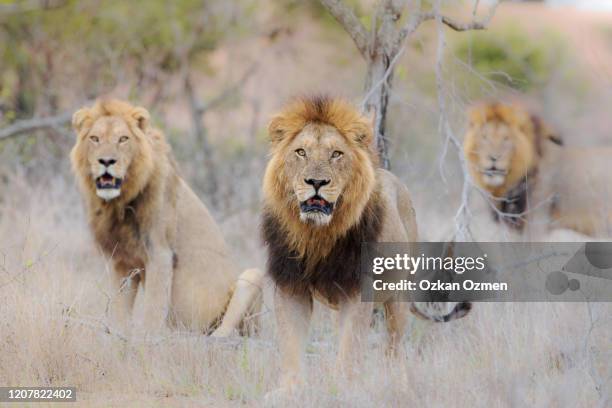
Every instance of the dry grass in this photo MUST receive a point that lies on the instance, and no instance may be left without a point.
(52, 333)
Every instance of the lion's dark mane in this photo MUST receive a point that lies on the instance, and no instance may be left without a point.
(337, 275)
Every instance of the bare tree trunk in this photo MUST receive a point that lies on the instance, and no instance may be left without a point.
(378, 102)
(380, 73)
(381, 47)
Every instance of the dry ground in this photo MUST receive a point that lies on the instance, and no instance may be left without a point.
(53, 293)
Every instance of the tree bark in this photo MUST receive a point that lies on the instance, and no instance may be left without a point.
(378, 102)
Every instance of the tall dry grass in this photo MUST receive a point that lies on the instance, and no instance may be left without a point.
(53, 332)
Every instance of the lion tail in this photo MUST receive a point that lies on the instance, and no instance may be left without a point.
(440, 311)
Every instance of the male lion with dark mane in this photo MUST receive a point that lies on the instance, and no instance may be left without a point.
(153, 227)
(324, 196)
(515, 158)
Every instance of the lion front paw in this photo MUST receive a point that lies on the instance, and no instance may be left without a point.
(281, 397)
(289, 391)
(222, 332)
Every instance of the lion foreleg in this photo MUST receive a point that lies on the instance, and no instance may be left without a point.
(124, 286)
(353, 325)
(157, 289)
(293, 314)
(248, 287)
(396, 318)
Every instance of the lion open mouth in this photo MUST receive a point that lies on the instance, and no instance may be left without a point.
(494, 171)
(106, 181)
(317, 204)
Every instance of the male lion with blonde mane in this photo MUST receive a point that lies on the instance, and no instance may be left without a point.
(515, 158)
(153, 228)
(324, 196)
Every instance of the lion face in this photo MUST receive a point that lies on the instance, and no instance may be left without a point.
(499, 146)
(111, 148)
(112, 154)
(322, 169)
(318, 161)
(494, 153)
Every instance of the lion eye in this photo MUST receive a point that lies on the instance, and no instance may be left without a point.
(123, 139)
(301, 152)
(336, 154)
(94, 139)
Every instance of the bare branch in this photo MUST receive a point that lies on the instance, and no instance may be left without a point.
(351, 24)
(411, 25)
(419, 18)
(457, 26)
(463, 213)
(30, 125)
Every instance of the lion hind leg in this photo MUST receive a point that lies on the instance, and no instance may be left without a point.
(248, 288)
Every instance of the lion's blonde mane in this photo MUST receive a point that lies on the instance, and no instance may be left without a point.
(525, 137)
(356, 129)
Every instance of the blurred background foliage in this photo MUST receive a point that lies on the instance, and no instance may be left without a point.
(212, 72)
(108, 41)
(512, 57)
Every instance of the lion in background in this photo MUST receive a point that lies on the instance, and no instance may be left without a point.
(153, 228)
(529, 174)
(324, 195)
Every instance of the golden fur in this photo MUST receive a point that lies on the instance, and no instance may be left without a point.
(561, 187)
(356, 133)
(152, 227)
(504, 146)
(497, 121)
(321, 147)
(579, 179)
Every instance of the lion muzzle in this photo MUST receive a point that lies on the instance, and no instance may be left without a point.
(494, 176)
(108, 186)
(317, 203)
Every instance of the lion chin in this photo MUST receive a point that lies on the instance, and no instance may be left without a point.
(316, 211)
(494, 179)
(315, 218)
(108, 193)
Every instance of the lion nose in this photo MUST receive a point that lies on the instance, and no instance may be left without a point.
(493, 158)
(317, 184)
(107, 162)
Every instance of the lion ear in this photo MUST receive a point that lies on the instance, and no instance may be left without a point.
(362, 132)
(476, 116)
(142, 117)
(79, 118)
(550, 134)
(276, 130)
